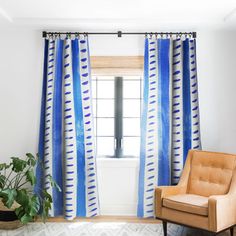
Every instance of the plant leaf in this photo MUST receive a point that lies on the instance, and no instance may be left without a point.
(30, 177)
(2, 181)
(54, 184)
(29, 206)
(22, 197)
(47, 196)
(19, 212)
(34, 205)
(4, 166)
(26, 218)
(30, 155)
(31, 159)
(46, 206)
(31, 162)
(18, 164)
(8, 196)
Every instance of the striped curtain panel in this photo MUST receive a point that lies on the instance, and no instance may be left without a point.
(170, 115)
(66, 144)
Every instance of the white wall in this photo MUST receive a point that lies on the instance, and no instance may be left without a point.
(20, 92)
(118, 186)
(217, 83)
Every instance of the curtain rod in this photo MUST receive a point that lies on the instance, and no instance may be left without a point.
(120, 33)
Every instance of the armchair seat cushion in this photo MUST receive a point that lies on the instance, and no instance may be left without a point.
(191, 203)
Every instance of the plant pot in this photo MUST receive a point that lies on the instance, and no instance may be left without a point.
(8, 218)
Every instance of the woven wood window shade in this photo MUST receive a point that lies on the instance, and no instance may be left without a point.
(117, 65)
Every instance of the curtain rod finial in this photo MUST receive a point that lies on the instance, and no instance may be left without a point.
(44, 34)
(194, 35)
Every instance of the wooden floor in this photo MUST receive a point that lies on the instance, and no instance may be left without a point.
(128, 219)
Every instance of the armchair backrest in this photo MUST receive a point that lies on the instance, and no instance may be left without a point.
(210, 172)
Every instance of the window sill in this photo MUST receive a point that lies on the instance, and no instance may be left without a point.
(116, 158)
(109, 162)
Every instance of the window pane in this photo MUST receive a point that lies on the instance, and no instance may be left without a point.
(94, 88)
(94, 108)
(142, 82)
(131, 146)
(105, 126)
(131, 126)
(95, 127)
(131, 89)
(131, 108)
(105, 146)
(105, 89)
(105, 108)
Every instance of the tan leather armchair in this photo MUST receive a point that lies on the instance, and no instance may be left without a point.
(205, 197)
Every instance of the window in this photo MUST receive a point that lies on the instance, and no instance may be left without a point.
(117, 111)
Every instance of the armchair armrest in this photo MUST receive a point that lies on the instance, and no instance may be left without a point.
(181, 188)
(221, 211)
(222, 208)
(164, 191)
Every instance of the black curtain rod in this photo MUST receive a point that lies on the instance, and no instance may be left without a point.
(119, 33)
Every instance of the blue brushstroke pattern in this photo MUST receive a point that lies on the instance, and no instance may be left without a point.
(39, 171)
(186, 100)
(79, 126)
(57, 131)
(164, 112)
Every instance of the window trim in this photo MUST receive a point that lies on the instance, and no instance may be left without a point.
(118, 116)
(117, 66)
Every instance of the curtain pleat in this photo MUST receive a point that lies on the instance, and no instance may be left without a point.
(66, 144)
(170, 115)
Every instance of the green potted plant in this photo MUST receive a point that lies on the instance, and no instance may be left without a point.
(18, 202)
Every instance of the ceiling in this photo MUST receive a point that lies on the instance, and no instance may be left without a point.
(132, 15)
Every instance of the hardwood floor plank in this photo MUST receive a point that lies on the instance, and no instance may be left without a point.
(128, 219)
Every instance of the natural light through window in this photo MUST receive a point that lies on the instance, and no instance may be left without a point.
(117, 111)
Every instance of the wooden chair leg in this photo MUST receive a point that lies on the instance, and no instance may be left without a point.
(232, 231)
(164, 224)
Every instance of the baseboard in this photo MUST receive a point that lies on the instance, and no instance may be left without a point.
(119, 209)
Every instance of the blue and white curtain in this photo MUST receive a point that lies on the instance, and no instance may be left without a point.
(66, 143)
(170, 115)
